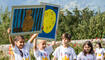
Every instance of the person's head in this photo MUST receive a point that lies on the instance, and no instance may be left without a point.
(42, 44)
(19, 41)
(88, 48)
(66, 38)
(98, 45)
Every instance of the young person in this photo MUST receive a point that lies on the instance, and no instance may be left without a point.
(20, 49)
(87, 53)
(99, 51)
(64, 52)
(41, 51)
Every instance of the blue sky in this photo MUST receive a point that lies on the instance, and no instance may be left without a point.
(65, 4)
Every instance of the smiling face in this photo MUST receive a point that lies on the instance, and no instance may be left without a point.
(87, 48)
(19, 42)
(65, 39)
(42, 44)
(97, 45)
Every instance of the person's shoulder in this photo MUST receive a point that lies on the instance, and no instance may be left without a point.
(96, 49)
(48, 47)
(81, 53)
(103, 49)
(15, 49)
(71, 48)
(59, 47)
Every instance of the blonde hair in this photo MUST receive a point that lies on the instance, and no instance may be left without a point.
(40, 40)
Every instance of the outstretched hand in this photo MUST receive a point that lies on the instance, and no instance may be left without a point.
(9, 30)
(53, 43)
(35, 44)
(33, 37)
(10, 38)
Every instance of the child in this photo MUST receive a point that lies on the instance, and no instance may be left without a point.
(87, 53)
(41, 52)
(99, 51)
(64, 52)
(20, 49)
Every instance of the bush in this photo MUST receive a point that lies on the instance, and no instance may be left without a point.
(77, 47)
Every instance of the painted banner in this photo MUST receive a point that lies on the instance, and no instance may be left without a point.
(50, 22)
(27, 19)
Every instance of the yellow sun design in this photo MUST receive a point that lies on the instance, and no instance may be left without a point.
(44, 58)
(27, 58)
(99, 54)
(49, 20)
(65, 58)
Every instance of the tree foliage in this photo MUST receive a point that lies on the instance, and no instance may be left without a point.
(81, 24)
(5, 22)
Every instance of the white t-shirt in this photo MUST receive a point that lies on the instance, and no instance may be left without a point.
(43, 54)
(81, 56)
(100, 53)
(62, 53)
(25, 51)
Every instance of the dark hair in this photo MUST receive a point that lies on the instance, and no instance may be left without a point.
(18, 37)
(99, 44)
(90, 45)
(66, 35)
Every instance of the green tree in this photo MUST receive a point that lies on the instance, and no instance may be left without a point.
(5, 18)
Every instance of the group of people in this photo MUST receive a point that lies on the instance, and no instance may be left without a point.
(62, 52)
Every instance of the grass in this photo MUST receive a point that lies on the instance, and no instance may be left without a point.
(4, 58)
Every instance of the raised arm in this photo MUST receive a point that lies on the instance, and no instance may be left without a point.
(53, 44)
(35, 44)
(10, 38)
(33, 37)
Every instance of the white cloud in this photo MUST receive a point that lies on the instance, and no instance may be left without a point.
(66, 4)
(29, 2)
(46, 1)
(3, 4)
(71, 5)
